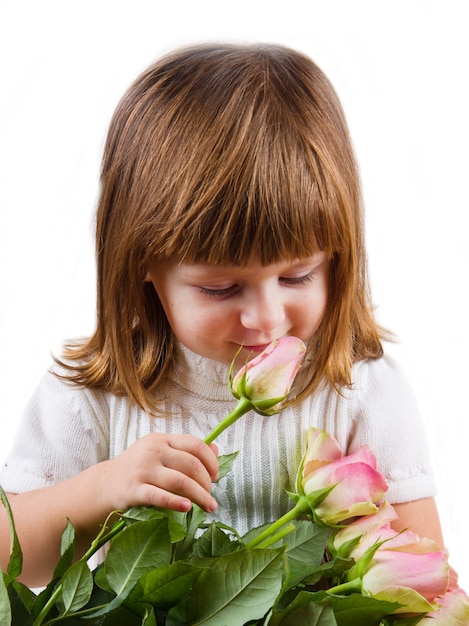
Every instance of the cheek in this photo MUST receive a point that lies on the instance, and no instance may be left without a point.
(312, 310)
(202, 333)
(322, 295)
(190, 319)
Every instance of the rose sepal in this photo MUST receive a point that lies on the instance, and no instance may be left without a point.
(260, 406)
(268, 407)
(363, 563)
(312, 500)
(345, 550)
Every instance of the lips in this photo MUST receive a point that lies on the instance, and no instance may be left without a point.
(258, 348)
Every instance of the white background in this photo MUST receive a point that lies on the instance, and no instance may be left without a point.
(401, 70)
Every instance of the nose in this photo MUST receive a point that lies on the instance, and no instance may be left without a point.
(262, 311)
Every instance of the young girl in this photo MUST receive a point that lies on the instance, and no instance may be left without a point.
(230, 215)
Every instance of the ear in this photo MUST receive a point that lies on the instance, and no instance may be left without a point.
(147, 278)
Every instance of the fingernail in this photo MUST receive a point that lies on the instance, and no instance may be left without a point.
(213, 505)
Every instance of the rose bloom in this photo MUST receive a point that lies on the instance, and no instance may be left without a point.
(408, 570)
(267, 379)
(358, 485)
(453, 610)
(367, 530)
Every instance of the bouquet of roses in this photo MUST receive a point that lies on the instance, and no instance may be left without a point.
(332, 560)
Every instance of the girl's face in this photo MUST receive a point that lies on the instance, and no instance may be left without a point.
(213, 309)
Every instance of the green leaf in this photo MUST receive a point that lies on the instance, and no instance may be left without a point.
(176, 531)
(304, 549)
(164, 587)
(100, 579)
(225, 462)
(149, 619)
(357, 609)
(141, 547)
(176, 519)
(67, 539)
(15, 564)
(195, 519)
(77, 585)
(138, 549)
(303, 611)
(237, 587)
(145, 513)
(214, 542)
(99, 596)
(120, 616)
(177, 615)
(24, 593)
(67, 550)
(306, 544)
(21, 600)
(5, 608)
(329, 569)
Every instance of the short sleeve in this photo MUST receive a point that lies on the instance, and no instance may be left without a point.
(389, 421)
(63, 431)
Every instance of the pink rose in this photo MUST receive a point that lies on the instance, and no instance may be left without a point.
(453, 610)
(267, 379)
(264, 383)
(357, 485)
(366, 530)
(408, 570)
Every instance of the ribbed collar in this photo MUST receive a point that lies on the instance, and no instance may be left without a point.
(202, 376)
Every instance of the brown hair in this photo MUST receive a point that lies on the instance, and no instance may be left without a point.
(224, 154)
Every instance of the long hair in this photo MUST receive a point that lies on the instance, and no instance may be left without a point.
(224, 154)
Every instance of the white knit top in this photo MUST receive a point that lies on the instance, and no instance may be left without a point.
(66, 429)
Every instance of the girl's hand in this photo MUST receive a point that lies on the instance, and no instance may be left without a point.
(168, 471)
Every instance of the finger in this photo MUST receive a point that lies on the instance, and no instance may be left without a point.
(206, 454)
(185, 465)
(176, 491)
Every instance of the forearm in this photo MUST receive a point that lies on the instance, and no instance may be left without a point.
(40, 517)
(169, 471)
(420, 516)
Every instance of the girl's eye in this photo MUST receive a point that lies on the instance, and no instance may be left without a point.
(226, 292)
(213, 292)
(298, 280)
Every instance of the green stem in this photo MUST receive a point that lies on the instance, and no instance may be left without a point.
(243, 406)
(76, 614)
(47, 607)
(102, 539)
(348, 587)
(97, 543)
(277, 537)
(300, 508)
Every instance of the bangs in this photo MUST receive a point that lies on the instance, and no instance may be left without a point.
(232, 155)
(269, 211)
